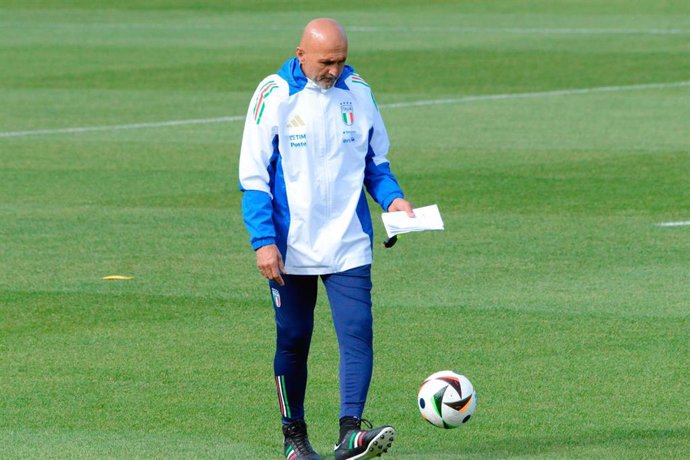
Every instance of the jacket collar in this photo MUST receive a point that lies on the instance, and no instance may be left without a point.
(292, 73)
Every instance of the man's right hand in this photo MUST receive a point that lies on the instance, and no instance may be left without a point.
(270, 263)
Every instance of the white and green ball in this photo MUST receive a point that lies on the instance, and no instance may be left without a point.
(447, 399)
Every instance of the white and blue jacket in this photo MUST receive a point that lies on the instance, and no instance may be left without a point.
(307, 154)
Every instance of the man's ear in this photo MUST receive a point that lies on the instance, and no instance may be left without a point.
(300, 54)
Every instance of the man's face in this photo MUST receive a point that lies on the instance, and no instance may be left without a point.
(322, 64)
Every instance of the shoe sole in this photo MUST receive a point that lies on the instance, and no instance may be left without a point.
(379, 445)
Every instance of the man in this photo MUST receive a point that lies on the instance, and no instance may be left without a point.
(313, 141)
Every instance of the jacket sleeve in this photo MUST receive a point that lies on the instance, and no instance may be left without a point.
(378, 177)
(257, 153)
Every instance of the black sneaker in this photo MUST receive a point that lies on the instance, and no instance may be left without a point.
(362, 444)
(296, 445)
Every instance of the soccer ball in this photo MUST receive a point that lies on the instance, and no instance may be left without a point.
(446, 399)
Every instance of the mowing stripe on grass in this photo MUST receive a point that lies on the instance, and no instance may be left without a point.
(522, 30)
(99, 26)
(396, 105)
(684, 223)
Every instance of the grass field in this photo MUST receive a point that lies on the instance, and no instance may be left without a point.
(553, 135)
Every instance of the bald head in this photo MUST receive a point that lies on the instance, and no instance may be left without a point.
(322, 52)
(323, 31)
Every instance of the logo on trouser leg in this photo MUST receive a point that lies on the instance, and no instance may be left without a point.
(276, 297)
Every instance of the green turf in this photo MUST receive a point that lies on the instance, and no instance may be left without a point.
(552, 288)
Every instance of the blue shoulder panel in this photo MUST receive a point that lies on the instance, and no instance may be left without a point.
(347, 71)
(292, 73)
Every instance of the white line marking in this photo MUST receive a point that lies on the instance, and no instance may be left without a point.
(674, 224)
(156, 124)
(396, 105)
(565, 92)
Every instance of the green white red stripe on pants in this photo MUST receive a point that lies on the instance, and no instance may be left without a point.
(282, 396)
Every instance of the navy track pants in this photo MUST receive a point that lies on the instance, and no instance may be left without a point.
(349, 294)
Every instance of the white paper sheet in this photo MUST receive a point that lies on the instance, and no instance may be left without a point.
(426, 218)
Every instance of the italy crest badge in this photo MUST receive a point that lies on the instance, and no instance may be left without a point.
(348, 115)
